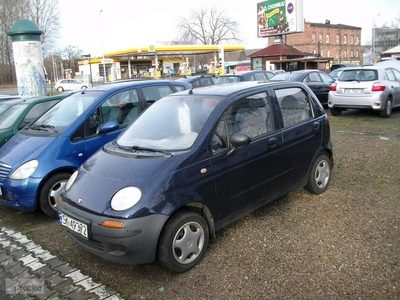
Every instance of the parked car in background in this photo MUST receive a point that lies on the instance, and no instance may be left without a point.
(318, 81)
(335, 73)
(253, 75)
(36, 163)
(70, 84)
(337, 66)
(16, 114)
(374, 87)
(193, 163)
(199, 80)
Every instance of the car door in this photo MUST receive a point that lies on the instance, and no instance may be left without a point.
(252, 173)
(301, 132)
(395, 83)
(320, 89)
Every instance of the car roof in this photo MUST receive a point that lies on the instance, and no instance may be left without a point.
(238, 73)
(230, 88)
(188, 78)
(115, 86)
(31, 99)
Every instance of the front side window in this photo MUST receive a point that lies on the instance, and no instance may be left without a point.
(250, 115)
(295, 106)
(121, 107)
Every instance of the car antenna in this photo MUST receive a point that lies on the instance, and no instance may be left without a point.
(191, 91)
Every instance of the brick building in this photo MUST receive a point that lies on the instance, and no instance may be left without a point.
(340, 42)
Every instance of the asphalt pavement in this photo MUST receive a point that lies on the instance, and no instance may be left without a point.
(27, 271)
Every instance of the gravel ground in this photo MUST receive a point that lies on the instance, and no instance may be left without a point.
(343, 244)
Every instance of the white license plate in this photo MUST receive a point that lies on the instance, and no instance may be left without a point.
(73, 224)
(353, 91)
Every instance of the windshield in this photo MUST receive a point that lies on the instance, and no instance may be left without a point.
(172, 123)
(66, 111)
(11, 114)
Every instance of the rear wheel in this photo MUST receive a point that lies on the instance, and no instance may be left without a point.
(60, 89)
(183, 241)
(83, 87)
(387, 112)
(320, 175)
(336, 111)
(50, 192)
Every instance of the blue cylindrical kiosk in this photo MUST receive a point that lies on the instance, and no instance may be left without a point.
(29, 68)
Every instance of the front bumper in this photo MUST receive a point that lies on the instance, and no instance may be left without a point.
(20, 194)
(134, 244)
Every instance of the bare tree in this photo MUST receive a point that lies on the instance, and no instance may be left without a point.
(209, 27)
(44, 13)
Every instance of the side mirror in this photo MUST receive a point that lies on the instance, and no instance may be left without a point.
(238, 139)
(107, 127)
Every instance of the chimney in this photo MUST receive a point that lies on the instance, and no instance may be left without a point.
(327, 22)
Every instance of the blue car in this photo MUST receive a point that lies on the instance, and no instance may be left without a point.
(192, 163)
(36, 163)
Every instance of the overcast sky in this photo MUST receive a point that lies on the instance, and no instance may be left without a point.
(98, 26)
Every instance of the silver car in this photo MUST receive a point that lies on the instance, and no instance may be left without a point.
(374, 87)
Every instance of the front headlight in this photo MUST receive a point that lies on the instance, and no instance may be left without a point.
(126, 198)
(71, 180)
(25, 170)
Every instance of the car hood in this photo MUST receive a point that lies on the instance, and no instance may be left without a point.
(22, 148)
(103, 174)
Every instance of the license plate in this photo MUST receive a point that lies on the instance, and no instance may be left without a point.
(73, 224)
(353, 91)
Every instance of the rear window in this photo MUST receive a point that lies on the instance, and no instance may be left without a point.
(358, 75)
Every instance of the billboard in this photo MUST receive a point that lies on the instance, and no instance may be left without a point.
(278, 17)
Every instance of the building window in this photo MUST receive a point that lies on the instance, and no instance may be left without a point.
(351, 40)
(351, 53)
(313, 38)
(337, 53)
(322, 53)
(337, 39)
(314, 51)
(357, 53)
(345, 53)
(328, 53)
(320, 38)
(357, 40)
(327, 38)
(344, 39)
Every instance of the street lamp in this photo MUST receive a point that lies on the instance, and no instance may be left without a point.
(374, 38)
(102, 46)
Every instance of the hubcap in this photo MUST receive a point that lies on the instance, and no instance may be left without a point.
(322, 174)
(55, 192)
(188, 242)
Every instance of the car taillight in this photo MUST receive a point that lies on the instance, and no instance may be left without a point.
(332, 88)
(378, 87)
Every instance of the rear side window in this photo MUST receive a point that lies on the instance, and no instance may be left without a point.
(295, 106)
(258, 76)
(154, 93)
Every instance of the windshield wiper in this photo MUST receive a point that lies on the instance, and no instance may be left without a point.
(138, 148)
(43, 127)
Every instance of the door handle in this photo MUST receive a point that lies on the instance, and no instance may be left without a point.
(272, 143)
(316, 125)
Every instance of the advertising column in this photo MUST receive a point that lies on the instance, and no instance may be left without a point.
(28, 58)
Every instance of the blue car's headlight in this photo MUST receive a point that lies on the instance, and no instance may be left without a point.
(126, 198)
(25, 170)
(71, 180)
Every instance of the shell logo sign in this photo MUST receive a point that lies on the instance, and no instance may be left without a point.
(152, 48)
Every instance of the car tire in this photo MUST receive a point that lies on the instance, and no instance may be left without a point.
(320, 175)
(183, 241)
(335, 111)
(60, 89)
(50, 192)
(83, 87)
(387, 112)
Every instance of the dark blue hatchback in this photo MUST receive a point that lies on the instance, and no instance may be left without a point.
(192, 163)
(36, 163)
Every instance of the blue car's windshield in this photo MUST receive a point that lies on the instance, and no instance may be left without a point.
(67, 111)
(172, 123)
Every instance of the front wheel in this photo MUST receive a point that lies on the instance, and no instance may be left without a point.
(387, 112)
(320, 175)
(183, 241)
(60, 89)
(50, 192)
